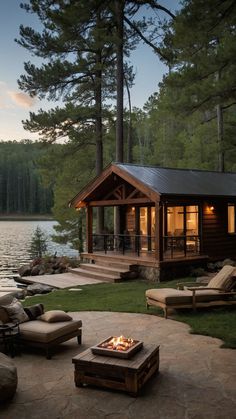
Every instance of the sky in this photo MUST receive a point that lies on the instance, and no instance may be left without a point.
(15, 105)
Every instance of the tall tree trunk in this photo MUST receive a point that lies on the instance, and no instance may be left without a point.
(220, 126)
(119, 10)
(220, 135)
(129, 134)
(98, 126)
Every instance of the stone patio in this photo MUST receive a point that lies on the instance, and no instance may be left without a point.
(196, 379)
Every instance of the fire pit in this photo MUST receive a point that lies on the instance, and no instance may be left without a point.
(128, 374)
(119, 347)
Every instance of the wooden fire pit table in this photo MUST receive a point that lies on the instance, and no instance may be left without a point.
(116, 373)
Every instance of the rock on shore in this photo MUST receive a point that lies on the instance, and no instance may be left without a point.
(47, 265)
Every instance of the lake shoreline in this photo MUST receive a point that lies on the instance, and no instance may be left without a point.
(26, 217)
(16, 231)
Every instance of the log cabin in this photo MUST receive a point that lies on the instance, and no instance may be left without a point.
(163, 221)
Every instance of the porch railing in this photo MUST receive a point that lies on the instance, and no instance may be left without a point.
(123, 243)
(173, 246)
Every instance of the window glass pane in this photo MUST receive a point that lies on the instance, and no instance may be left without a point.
(153, 221)
(192, 220)
(175, 221)
(231, 218)
(143, 220)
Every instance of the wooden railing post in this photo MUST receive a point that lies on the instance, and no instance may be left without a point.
(89, 229)
(158, 231)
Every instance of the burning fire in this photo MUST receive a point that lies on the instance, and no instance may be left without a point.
(118, 343)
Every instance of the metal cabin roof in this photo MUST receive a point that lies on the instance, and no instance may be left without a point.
(183, 182)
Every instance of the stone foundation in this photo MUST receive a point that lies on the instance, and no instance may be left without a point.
(168, 271)
(149, 273)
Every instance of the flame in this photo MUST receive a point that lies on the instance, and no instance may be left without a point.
(119, 343)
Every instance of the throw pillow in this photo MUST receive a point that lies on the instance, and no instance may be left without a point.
(53, 316)
(34, 311)
(4, 316)
(16, 312)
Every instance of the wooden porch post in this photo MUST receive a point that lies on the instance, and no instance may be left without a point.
(158, 232)
(89, 229)
(149, 230)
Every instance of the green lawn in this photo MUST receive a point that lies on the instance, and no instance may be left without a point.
(130, 297)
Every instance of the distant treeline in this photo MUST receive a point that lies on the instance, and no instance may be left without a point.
(21, 189)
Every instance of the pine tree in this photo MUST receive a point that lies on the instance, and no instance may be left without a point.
(203, 61)
(38, 244)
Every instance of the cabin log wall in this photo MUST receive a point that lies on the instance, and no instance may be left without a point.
(217, 243)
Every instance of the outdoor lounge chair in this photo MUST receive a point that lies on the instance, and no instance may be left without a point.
(221, 290)
(44, 330)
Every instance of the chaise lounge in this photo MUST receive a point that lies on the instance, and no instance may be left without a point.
(220, 291)
(36, 327)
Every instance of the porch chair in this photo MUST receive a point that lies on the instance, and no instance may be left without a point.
(220, 291)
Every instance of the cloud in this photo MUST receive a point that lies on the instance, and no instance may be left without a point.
(22, 99)
(12, 99)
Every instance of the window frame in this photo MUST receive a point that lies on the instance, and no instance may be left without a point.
(185, 212)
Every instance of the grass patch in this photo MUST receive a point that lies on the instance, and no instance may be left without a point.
(129, 297)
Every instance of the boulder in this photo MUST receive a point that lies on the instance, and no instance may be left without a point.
(25, 270)
(219, 264)
(8, 381)
(35, 270)
(229, 262)
(211, 267)
(19, 293)
(47, 265)
(38, 289)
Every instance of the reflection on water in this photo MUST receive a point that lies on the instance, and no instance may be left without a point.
(15, 238)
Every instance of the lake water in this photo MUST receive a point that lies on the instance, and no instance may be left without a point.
(15, 238)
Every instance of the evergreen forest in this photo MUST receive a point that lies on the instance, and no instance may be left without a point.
(85, 48)
(21, 187)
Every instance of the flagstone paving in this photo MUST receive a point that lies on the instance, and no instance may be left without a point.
(196, 379)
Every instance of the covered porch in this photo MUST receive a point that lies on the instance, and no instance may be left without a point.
(142, 226)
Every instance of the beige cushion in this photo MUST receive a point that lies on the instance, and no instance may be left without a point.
(16, 311)
(53, 316)
(39, 331)
(171, 296)
(223, 279)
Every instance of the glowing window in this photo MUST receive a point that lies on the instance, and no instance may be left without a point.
(231, 219)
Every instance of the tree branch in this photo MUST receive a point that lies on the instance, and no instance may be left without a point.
(155, 5)
(136, 29)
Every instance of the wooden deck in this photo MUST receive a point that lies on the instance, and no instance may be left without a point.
(145, 258)
(60, 281)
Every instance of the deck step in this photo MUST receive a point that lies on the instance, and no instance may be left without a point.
(126, 259)
(110, 270)
(95, 275)
(113, 263)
